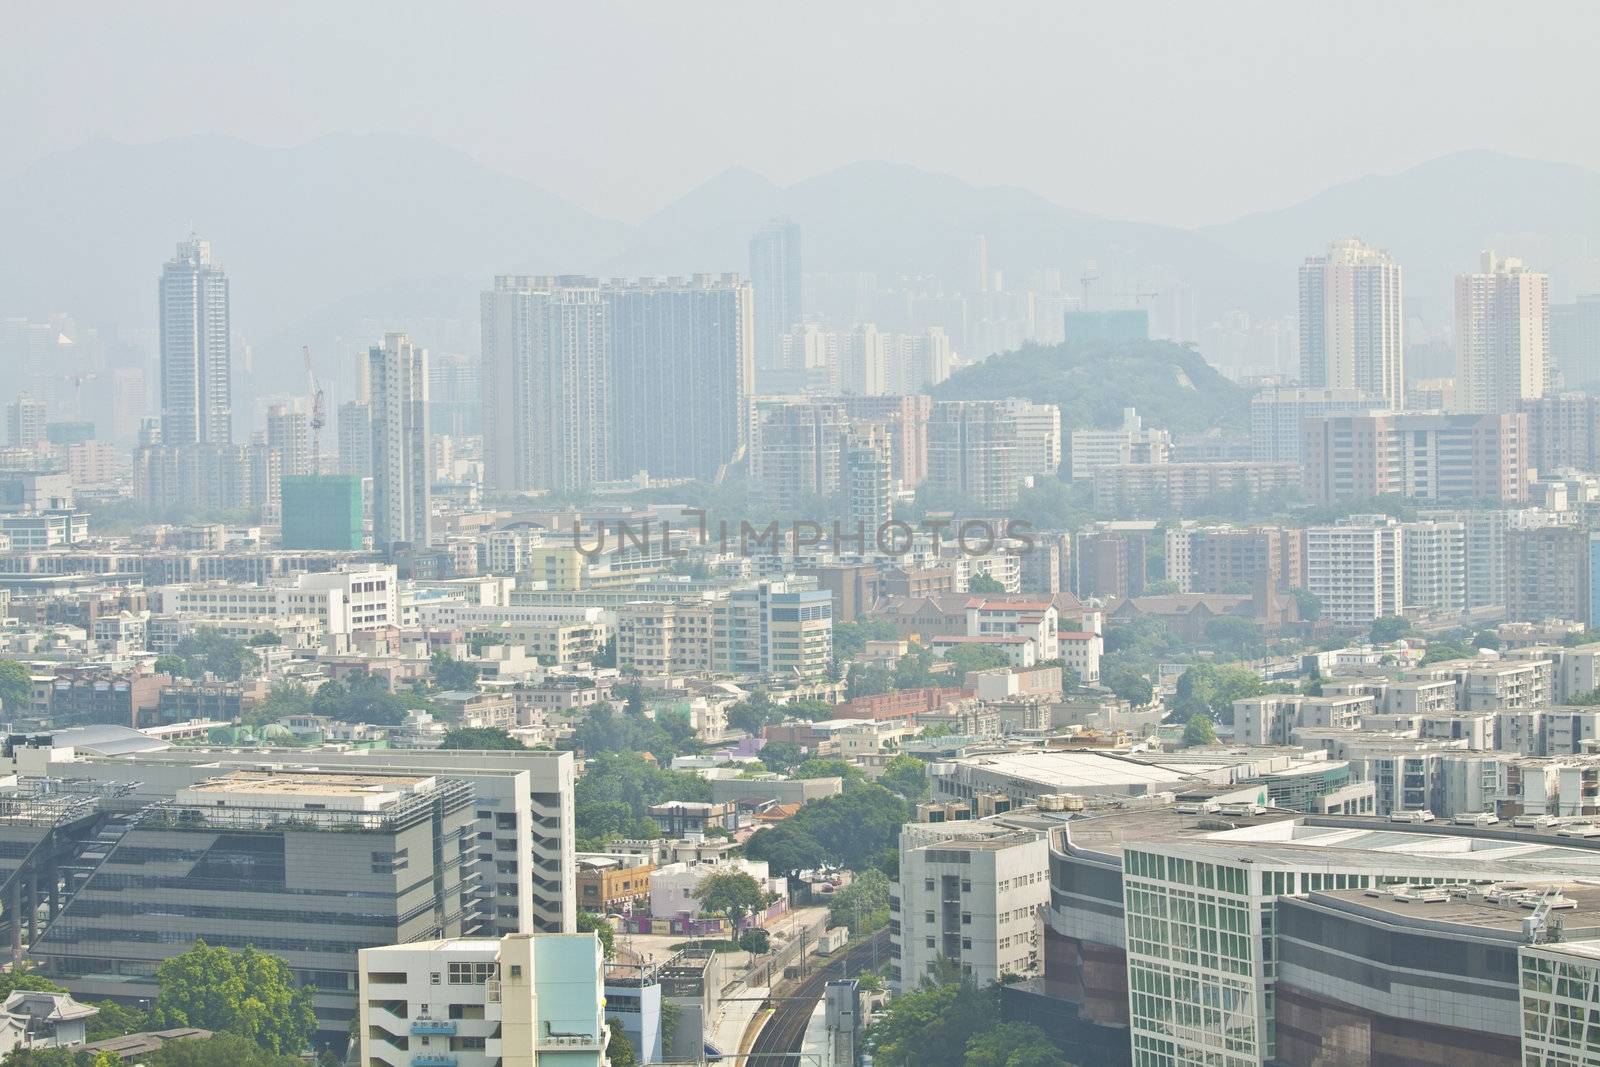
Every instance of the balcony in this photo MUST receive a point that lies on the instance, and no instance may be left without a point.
(433, 1026)
(433, 1060)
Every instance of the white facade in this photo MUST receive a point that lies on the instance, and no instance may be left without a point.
(514, 1001)
(196, 355)
(340, 602)
(1129, 443)
(1352, 323)
(972, 893)
(1038, 436)
(1356, 569)
(402, 478)
(1502, 336)
(1435, 570)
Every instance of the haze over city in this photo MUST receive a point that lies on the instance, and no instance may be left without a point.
(880, 535)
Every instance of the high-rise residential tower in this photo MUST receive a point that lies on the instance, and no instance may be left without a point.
(775, 277)
(547, 384)
(1502, 336)
(355, 438)
(401, 478)
(681, 358)
(1352, 323)
(196, 361)
(289, 434)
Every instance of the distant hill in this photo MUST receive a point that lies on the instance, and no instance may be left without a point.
(897, 221)
(1435, 218)
(340, 222)
(1170, 384)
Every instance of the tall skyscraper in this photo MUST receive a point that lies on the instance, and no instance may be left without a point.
(681, 357)
(355, 438)
(1502, 336)
(1352, 323)
(25, 422)
(401, 475)
(196, 361)
(289, 434)
(775, 277)
(547, 384)
(973, 452)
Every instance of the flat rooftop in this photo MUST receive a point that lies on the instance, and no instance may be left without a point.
(1488, 912)
(309, 784)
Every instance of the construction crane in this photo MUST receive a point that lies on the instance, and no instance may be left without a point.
(319, 412)
(1141, 295)
(1090, 275)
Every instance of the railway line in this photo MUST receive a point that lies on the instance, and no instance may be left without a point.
(779, 1041)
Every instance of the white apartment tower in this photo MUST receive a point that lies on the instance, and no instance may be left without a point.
(196, 361)
(1502, 336)
(775, 277)
(1352, 325)
(1356, 569)
(547, 384)
(401, 474)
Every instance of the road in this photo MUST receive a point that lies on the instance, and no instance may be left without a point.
(781, 1035)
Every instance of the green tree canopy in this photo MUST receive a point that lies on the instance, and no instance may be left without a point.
(868, 681)
(830, 768)
(615, 792)
(1209, 689)
(480, 737)
(600, 926)
(16, 687)
(863, 905)
(362, 697)
(731, 893)
(914, 670)
(249, 993)
(982, 583)
(619, 1050)
(855, 829)
(1199, 731)
(905, 776)
(850, 638)
(781, 755)
(976, 657)
(1387, 628)
(207, 651)
(1127, 674)
(1012, 1045)
(451, 674)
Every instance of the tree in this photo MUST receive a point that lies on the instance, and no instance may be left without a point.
(830, 768)
(1389, 628)
(480, 737)
(1012, 1045)
(850, 638)
(208, 651)
(754, 713)
(755, 941)
(731, 893)
(1486, 639)
(1161, 587)
(1235, 637)
(115, 1020)
(1199, 731)
(452, 674)
(863, 905)
(286, 698)
(1128, 676)
(914, 670)
(615, 792)
(978, 657)
(249, 993)
(868, 682)
(906, 776)
(25, 977)
(222, 1048)
(172, 665)
(1307, 604)
(856, 829)
(16, 687)
(361, 698)
(931, 1027)
(265, 639)
(1208, 689)
(781, 755)
(588, 922)
(982, 583)
(619, 1050)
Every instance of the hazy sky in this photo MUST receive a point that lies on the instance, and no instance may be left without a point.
(1185, 112)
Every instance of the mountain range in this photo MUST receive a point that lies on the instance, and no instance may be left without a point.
(331, 241)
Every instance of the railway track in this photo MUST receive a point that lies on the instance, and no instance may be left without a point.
(782, 1034)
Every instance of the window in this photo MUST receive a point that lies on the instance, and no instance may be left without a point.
(472, 973)
(516, 970)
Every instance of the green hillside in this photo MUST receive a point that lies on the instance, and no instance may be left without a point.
(1092, 381)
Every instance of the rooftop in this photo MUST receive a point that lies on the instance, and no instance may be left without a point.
(1495, 911)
